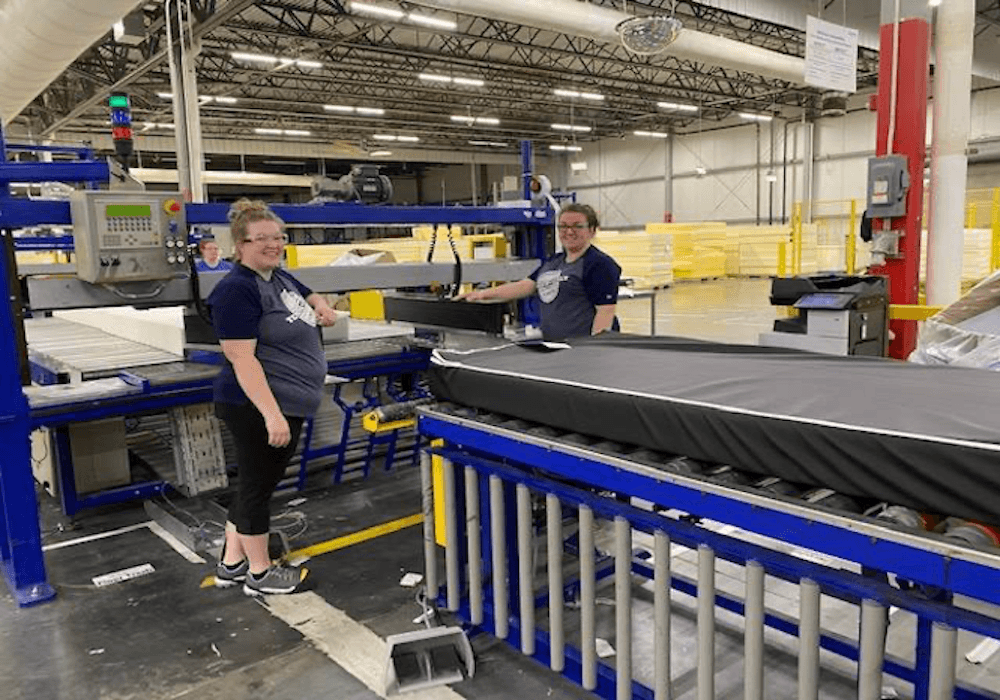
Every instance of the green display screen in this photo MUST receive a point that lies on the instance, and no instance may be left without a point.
(115, 210)
(118, 101)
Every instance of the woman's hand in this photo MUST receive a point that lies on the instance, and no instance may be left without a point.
(278, 432)
(475, 295)
(325, 316)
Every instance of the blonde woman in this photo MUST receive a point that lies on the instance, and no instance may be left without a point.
(272, 380)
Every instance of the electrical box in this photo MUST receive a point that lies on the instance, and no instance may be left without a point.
(128, 236)
(888, 182)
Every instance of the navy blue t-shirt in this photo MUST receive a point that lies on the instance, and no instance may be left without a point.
(571, 292)
(275, 313)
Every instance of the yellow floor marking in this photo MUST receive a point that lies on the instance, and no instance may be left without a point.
(342, 542)
(357, 537)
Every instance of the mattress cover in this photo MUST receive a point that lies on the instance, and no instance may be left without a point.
(912, 435)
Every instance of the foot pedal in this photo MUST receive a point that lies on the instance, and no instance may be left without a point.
(427, 658)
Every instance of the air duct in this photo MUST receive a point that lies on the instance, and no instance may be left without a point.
(600, 23)
(44, 37)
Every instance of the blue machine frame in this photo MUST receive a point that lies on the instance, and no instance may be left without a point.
(576, 476)
(20, 535)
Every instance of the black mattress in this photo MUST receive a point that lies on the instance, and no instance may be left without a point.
(923, 437)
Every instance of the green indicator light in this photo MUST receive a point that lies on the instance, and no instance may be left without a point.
(118, 101)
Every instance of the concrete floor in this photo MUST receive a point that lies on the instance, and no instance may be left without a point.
(164, 636)
(727, 311)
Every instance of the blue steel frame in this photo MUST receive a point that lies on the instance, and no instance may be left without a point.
(519, 462)
(20, 535)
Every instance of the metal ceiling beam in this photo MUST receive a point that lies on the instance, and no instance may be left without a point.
(232, 8)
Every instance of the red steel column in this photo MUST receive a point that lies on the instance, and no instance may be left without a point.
(910, 140)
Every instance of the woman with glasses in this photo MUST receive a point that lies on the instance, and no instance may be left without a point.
(578, 288)
(272, 380)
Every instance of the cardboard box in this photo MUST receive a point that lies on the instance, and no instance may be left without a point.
(100, 456)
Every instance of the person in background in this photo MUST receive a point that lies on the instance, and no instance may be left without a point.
(273, 378)
(210, 257)
(578, 288)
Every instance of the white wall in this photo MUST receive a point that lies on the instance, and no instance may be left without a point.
(625, 181)
(621, 172)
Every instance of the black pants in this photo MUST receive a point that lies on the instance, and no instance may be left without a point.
(260, 466)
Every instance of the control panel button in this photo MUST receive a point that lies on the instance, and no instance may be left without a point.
(171, 206)
(180, 258)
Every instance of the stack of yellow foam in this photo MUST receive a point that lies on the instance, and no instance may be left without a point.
(39, 257)
(411, 249)
(975, 254)
(646, 257)
(699, 248)
(831, 245)
(760, 245)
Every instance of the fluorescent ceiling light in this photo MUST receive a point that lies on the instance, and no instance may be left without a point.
(254, 57)
(165, 95)
(578, 166)
(409, 139)
(490, 121)
(339, 108)
(651, 134)
(430, 77)
(474, 82)
(934, 3)
(561, 147)
(755, 117)
(497, 144)
(225, 100)
(370, 111)
(434, 22)
(574, 93)
(271, 60)
(384, 137)
(156, 125)
(377, 154)
(677, 106)
(267, 131)
(570, 127)
(377, 10)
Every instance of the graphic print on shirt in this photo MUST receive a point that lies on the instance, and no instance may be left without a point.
(548, 285)
(299, 307)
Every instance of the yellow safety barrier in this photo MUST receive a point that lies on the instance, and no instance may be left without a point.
(437, 474)
(850, 251)
(995, 227)
(912, 312)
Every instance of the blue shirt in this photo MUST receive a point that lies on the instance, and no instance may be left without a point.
(275, 313)
(571, 292)
(220, 266)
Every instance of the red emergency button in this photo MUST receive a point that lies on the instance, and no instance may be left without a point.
(171, 206)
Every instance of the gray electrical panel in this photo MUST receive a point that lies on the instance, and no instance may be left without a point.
(128, 236)
(888, 182)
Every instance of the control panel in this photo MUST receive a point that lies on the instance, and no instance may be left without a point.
(128, 236)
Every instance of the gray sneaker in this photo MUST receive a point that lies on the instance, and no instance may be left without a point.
(226, 577)
(277, 579)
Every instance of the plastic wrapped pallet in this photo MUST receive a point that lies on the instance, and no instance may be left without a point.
(967, 333)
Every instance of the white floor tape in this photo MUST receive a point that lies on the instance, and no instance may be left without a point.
(350, 645)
